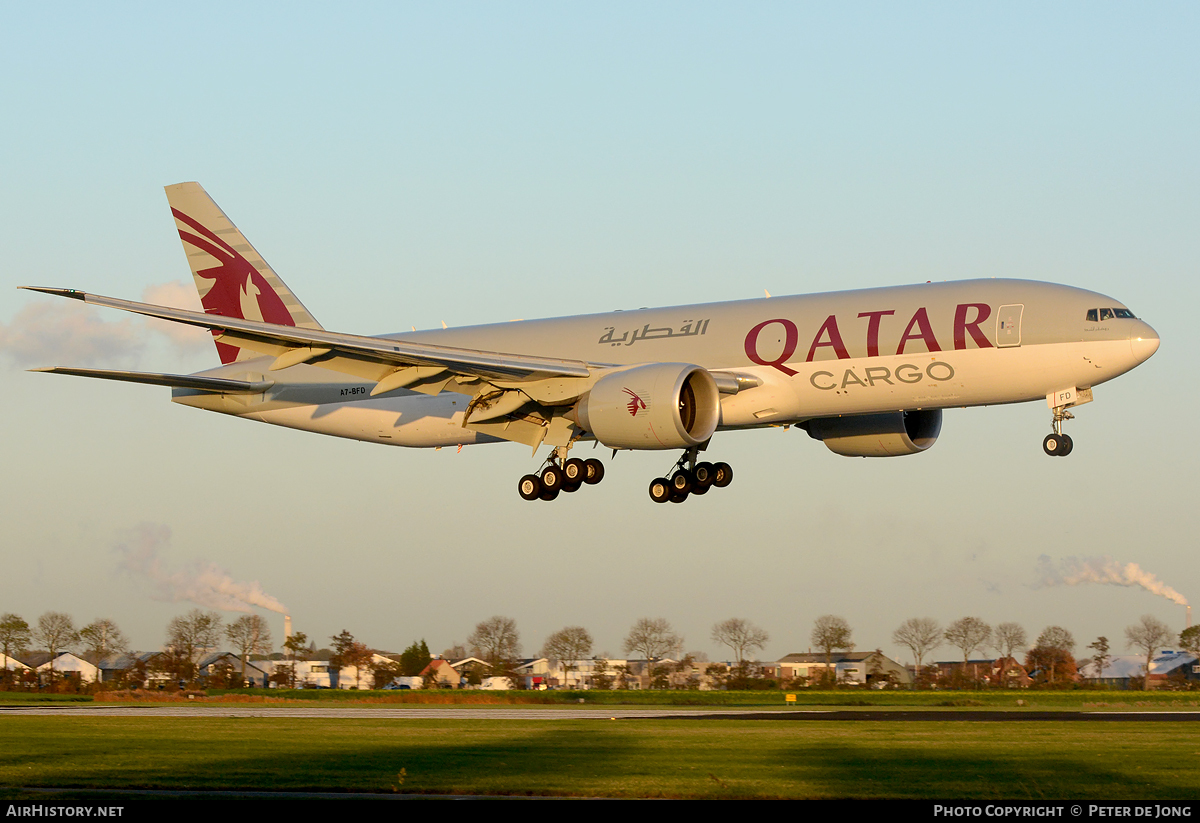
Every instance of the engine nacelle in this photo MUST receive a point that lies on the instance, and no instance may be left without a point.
(878, 435)
(657, 406)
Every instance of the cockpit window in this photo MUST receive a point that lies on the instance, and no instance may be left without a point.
(1097, 315)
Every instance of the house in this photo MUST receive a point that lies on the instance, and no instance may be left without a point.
(257, 674)
(1126, 671)
(64, 664)
(853, 668)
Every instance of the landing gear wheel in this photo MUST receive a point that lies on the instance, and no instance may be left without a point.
(552, 478)
(574, 471)
(704, 474)
(549, 494)
(1053, 445)
(722, 475)
(698, 489)
(678, 497)
(594, 473)
(530, 487)
(1064, 448)
(682, 482)
(660, 490)
(569, 487)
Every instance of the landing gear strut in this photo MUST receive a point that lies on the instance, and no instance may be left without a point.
(688, 478)
(560, 475)
(1058, 444)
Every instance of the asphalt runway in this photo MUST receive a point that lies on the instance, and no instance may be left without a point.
(542, 713)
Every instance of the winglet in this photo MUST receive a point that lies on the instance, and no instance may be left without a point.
(74, 294)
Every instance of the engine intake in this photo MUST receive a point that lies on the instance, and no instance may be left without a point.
(878, 435)
(656, 406)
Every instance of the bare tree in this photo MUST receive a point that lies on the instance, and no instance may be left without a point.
(741, 636)
(968, 634)
(653, 638)
(1148, 635)
(101, 638)
(56, 631)
(297, 648)
(14, 639)
(497, 641)
(188, 638)
(249, 634)
(831, 633)
(1008, 637)
(566, 646)
(920, 635)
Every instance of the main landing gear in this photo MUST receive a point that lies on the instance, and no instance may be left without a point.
(1058, 444)
(689, 477)
(560, 475)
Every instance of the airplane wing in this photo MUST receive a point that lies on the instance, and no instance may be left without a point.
(500, 382)
(179, 381)
(392, 363)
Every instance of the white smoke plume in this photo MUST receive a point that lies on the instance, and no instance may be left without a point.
(1071, 571)
(200, 582)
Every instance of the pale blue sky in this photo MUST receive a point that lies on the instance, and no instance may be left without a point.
(402, 164)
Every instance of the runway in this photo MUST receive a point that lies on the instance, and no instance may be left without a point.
(567, 713)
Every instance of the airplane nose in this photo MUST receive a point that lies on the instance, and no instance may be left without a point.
(1143, 340)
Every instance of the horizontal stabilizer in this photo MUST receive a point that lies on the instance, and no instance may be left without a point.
(175, 381)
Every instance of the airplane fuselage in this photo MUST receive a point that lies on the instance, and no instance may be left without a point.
(927, 346)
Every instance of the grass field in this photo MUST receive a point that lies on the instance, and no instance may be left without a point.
(629, 758)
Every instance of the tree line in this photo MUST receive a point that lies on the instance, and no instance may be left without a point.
(496, 644)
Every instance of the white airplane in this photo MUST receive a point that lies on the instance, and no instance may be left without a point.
(867, 372)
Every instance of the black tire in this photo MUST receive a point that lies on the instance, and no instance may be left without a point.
(1067, 445)
(698, 489)
(595, 471)
(722, 475)
(552, 478)
(549, 494)
(1052, 445)
(570, 487)
(574, 471)
(682, 482)
(678, 497)
(530, 487)
(704, 475)
(660, 490)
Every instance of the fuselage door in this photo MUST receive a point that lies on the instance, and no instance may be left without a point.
(1008, 325)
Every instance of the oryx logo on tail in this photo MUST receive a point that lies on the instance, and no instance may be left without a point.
(232, 278)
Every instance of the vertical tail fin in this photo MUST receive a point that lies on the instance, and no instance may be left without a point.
(232, 278)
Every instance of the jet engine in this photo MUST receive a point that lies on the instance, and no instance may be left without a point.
(878, 435)
(656, 406)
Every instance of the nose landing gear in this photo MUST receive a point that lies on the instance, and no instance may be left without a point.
(1058, 444)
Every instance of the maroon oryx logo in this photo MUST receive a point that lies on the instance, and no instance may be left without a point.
(635, 402)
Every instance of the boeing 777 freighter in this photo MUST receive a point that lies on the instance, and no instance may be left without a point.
(867, 372)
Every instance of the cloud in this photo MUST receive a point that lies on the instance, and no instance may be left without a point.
(68, 333)
(58, 332)
(1071, 571)
(178, 295)
(201, 582)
